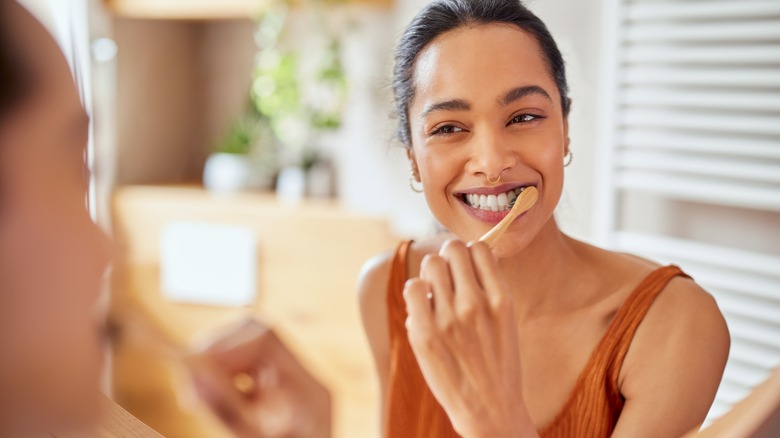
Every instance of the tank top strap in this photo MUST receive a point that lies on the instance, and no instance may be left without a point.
(621, 331)
(399, 273)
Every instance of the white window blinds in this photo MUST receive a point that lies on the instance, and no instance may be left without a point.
(690, 159)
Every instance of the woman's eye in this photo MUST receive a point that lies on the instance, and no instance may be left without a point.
(524, 118)
(447, 129)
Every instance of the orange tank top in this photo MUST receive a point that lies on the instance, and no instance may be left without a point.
(592, 408)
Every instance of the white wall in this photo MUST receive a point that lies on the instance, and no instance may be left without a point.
(576, 27)
(373, 168)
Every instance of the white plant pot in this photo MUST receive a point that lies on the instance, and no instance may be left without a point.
(291, 185)
(227, 173)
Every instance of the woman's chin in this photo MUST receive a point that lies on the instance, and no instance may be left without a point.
(510, 245)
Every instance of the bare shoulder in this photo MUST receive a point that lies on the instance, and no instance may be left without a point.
(686, 304)
(374, 276)
(676, 358)
(372, 287)
(683, 312)
(686, 313)
(675, 362)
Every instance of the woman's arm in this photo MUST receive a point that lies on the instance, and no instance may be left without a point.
(372, 290)
(674, 365)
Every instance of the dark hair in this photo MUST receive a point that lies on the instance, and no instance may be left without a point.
(14, 83)
(441, 16)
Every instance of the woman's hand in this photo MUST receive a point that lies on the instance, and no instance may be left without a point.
(255, 385)
(463, 332)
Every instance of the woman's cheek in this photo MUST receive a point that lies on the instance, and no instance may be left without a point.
(438, 170)
(434, 188)
(555, 172)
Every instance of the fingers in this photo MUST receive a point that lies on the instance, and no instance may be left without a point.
(252, 350)
(458, 256)
(240, 348)
(217, 392)
(434, 357)
(489, 274)
(251, 355)
(435, 271)
(420, 319)
(469, 296)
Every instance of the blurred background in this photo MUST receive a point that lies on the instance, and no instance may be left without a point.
(243, 158)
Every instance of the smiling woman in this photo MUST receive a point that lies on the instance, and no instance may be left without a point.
(544, 335)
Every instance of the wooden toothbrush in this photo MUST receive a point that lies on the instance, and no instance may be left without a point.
(136, 326)
(524, 201)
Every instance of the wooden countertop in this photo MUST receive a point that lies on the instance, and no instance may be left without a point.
(310, 257)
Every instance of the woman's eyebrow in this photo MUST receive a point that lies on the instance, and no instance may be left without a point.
(518, 93)
(447, 105)
(511, 96)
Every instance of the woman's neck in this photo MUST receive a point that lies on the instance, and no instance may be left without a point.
(540, 276)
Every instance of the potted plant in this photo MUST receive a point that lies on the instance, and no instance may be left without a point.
(243, 159)
(299, 103)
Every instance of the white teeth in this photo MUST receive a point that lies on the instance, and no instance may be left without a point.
(498, 202)
(503, 201)
(492, 202)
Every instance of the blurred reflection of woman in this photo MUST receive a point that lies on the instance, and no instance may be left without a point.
(544, 335)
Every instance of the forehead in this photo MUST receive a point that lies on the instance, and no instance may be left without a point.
(480, 61)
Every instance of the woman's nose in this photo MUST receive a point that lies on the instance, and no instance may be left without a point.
(491, 155)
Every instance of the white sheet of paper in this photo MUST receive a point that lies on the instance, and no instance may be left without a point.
(208, 264)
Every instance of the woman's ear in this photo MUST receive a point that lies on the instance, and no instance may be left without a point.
(413, 164)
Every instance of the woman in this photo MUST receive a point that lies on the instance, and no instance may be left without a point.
(544, 335)
(53, 259)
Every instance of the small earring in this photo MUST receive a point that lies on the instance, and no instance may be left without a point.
(568, 158)
(412, 180)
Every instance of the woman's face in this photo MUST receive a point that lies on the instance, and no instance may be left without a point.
(486, 105)
(52, 256)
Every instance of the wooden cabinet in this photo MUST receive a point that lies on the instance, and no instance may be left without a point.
(309, 259)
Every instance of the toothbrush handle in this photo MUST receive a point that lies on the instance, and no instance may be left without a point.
(524, 202)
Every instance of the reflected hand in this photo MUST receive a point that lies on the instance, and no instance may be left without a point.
(257, 388)
(463, 332)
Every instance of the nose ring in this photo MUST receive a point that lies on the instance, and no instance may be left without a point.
(493, 182)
